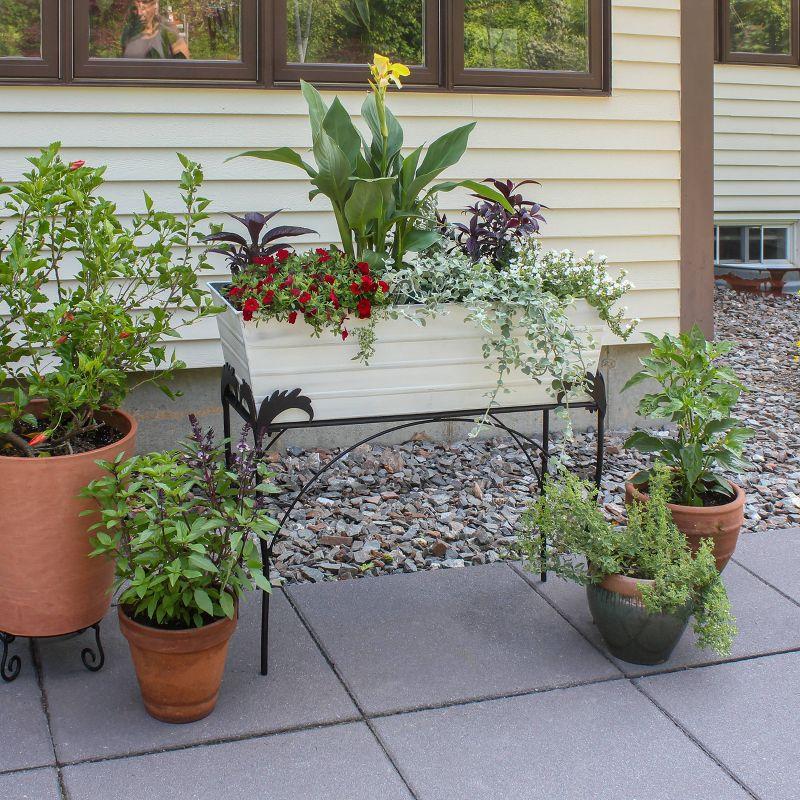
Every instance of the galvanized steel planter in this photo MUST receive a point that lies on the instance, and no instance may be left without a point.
(436, 368)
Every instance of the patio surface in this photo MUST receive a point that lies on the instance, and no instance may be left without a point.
(445, 685)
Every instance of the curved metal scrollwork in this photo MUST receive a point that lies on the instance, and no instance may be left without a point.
(275, 405)
(93, 661)
(9, 667)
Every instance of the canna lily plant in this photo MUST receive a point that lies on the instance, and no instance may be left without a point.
(376, 192)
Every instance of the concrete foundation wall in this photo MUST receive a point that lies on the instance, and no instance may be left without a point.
(162, 422)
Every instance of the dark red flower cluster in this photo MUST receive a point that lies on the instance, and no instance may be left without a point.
(324, 286)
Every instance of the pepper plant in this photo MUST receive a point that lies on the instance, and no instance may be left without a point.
(698, 394)
(179, 524)
(87, 300)
(376, 193)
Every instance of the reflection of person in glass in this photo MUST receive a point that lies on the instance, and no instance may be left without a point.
(148, 34)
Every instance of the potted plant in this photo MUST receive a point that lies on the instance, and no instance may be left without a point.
(86, 301)
(535, 319)
(642, 582)
(182, 529)
(697, 394)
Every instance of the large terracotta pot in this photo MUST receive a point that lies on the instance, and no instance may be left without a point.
(179, 671)
(631, 632)
(48, 584)
(721, 524)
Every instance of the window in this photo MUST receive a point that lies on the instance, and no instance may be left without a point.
(751, 244)
(471, 45)
(759, 31)
(29, 39)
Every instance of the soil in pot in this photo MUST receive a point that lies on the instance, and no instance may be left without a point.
(179, 670)
(48, 584)
(632, 633)
(720, 522)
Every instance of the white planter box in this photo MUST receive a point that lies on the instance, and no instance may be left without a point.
(436, 368)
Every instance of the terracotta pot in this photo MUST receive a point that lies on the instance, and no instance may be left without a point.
(721, 524)
(179, 671)
(48, 584)
(631, 632)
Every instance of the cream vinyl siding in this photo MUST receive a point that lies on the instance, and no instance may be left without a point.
(756, 143)
(609, 166)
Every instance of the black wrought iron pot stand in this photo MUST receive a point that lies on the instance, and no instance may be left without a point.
(265, 427)
(11, 664)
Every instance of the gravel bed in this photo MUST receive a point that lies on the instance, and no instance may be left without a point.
(424, 505)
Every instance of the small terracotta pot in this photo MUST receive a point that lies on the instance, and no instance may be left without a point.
(630, 631)
(179, 671)
(48, 584)
(721, 524)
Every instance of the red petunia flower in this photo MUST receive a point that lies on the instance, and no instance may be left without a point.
(321, 251)
(287, 283)
(367, 284)
(292, 317)
(282, 254)
(334, 299)
(324, 258)
(355, 288)
(250, 306)
(304, 298)
(263, 261)
(73, 165)
(235, 291)
(384, 286)
(345, 333)
(364, 308)
(295, 292)
(268, 298)
(329, 279)
(363, 267)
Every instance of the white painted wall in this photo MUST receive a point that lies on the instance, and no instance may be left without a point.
(609, 166)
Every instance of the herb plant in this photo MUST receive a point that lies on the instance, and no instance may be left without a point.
(565, 532)
(376, 192)
(323, 288)
(183, 530)
(493, 229)
(239, 253)
(698, 394)
(87, 300)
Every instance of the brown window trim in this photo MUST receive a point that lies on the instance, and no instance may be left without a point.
(596, 79)
(46, 67)
(147, 71)
(68, 62)
(284, 72)
(723, 41)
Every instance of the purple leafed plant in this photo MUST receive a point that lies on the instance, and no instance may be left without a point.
(491, 230)
(240, 253)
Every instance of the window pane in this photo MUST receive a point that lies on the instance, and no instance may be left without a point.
(776, 244)
(20, 29)
(196, 29)
(350, 31)
(754, 244)
(761, 26)
(730, 243)
(527, 34)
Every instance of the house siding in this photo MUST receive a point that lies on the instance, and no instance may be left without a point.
(609, 166)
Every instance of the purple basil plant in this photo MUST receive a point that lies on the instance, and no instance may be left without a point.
(240, 253)
(491, 230)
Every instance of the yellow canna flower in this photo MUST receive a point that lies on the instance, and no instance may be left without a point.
(385, 72)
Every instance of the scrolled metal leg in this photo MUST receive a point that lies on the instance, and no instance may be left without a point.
(9, 667)
(93, 661)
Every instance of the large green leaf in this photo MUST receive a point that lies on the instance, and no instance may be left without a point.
(416, 240)
(333, 178)
(482, 189)
(338, 125)
(368, 200)
(283, 155)
(442, 153)
(316, 106)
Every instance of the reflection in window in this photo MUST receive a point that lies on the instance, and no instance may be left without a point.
(527, 35)
(20, 29)
(198, 29)
(761, 26)
(350, 31)
(753, 244)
